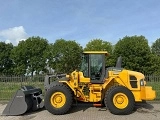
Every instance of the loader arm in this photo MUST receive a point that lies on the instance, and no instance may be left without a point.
(48, 83)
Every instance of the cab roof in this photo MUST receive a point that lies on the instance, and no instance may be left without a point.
(96, 52)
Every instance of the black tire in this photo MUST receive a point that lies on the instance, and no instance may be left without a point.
(64, 90)
(119, 107)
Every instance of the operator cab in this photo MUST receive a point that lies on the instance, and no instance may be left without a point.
(93, 65)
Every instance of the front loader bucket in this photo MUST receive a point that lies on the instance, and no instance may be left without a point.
(25, 99)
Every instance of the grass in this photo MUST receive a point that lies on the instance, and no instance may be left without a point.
(7, 89)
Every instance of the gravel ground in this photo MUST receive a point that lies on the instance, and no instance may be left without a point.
(149, 111)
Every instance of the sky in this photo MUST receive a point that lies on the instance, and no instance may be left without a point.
(79, 20)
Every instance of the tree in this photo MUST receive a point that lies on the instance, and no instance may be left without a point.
(135, 52)
(29, 56)
(155, 63)
(101, 45)
(6, 63)
(64, 56)
(155, 48)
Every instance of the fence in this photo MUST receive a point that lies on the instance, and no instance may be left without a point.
(9, 84)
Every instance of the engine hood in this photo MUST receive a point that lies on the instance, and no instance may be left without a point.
(138, 75)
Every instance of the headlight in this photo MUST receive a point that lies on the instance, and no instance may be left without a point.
(142, 82)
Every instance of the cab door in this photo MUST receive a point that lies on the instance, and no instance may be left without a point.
(93, 67)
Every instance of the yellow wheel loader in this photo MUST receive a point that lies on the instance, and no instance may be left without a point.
(117, 88)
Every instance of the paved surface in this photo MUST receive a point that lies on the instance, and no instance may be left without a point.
(150, 111)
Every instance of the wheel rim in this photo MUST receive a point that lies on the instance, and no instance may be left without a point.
(120, 100)
(58, 99)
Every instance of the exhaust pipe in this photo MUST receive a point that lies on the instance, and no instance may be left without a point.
(26, 99)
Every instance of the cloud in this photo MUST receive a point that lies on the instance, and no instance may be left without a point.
(13, 35)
